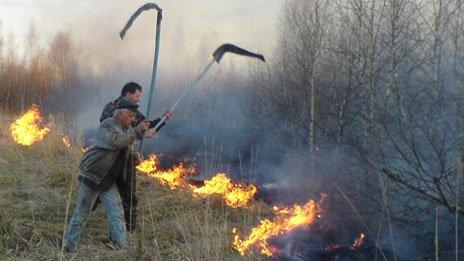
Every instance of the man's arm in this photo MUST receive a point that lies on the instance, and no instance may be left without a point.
(154, 122)
(117, 138)
(167, 114)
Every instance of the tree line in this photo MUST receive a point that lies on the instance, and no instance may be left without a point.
(378, 86)
(45, 75)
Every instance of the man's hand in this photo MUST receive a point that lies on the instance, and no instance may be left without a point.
(168, 114)
(143, 126)
(150, 133)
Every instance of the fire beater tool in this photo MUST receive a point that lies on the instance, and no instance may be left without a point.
(147, 7)
(217, 56)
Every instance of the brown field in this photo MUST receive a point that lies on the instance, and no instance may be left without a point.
(38, 190)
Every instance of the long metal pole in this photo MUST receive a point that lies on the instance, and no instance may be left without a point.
(217, 56)
(187, 90)
(155, 63)
(146, 7)
(154, 71)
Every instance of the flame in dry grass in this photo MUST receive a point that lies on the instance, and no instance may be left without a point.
(174, 177)
(29, 128)
(358, 242)
(149, 165)
(235, 194)
(66, 141)
(286, 220)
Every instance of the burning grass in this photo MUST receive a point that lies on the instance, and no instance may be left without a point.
(178, 220)
(30, 128)
(35, 184)
(285, 221)
(234, 194)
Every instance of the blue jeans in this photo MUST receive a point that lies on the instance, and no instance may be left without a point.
(111, 202)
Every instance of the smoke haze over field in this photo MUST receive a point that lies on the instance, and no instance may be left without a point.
(190, 32)
(94, 25)
(374, 122)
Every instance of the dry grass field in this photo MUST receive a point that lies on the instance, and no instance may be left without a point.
(37, 195)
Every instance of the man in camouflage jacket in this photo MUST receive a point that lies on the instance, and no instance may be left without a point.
(127, 183)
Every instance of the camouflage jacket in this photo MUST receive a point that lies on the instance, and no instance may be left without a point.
(110, 140)
(111, 107)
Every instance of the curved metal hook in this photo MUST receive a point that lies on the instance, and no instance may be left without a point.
(143, 8)
(230, 48)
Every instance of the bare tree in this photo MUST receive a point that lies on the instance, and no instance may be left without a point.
(386, 77)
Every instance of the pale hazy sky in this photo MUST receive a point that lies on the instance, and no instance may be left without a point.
(94, 25)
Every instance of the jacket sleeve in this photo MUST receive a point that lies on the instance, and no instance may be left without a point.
(116, 137)
(154, 122)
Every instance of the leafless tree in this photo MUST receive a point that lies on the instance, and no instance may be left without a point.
(385, 78)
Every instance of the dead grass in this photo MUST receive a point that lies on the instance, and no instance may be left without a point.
(35, 183)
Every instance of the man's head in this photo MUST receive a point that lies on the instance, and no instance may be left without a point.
(125, 117)
(126, 112)
(132, 91)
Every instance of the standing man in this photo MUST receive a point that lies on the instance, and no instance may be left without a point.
(127, 183)
(100, 168)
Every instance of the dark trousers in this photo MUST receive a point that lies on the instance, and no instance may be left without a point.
(127, 191)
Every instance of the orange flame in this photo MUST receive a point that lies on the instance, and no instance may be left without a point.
(286, 220)
(27, 129)
(235, 195)
(358, 241)
(66, 141)
(149, 165)
(175, 177)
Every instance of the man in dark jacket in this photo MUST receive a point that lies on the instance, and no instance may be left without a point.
(127, 186)
(98, 172)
